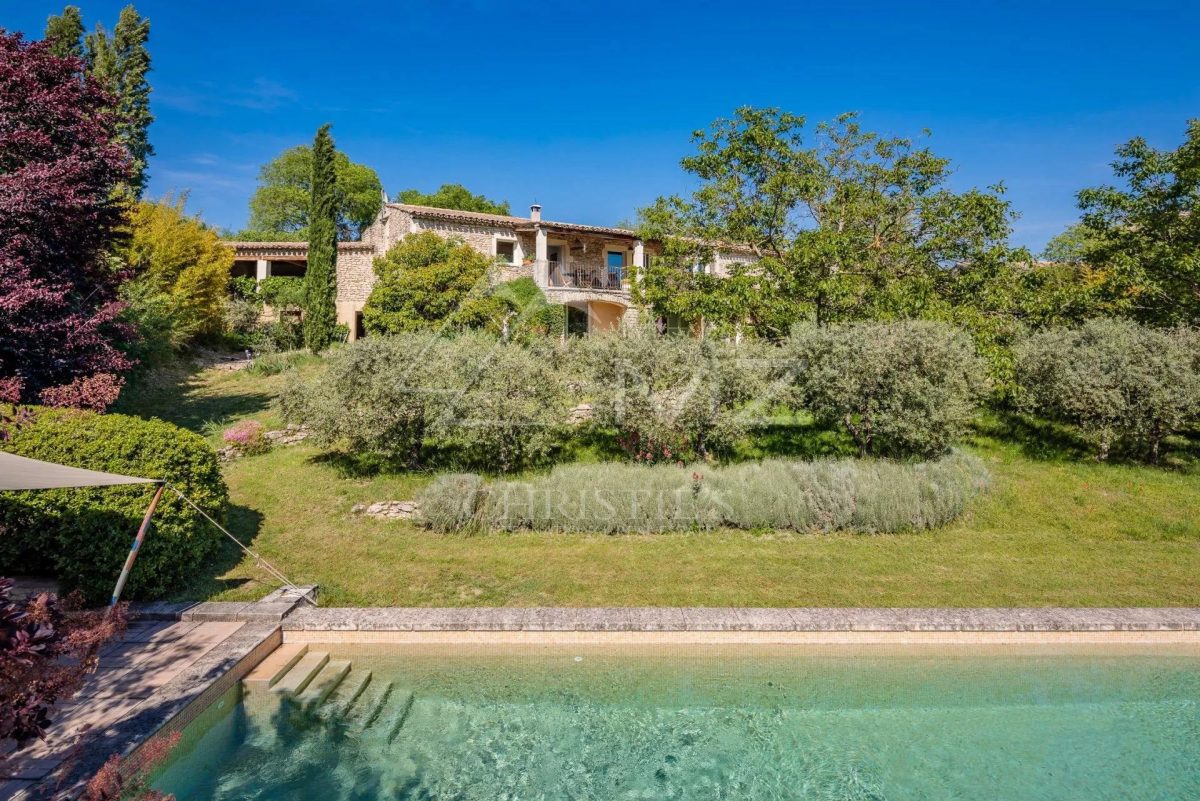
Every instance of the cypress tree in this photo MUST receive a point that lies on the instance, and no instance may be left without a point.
(133, 64)
(65, 33)
(121, 62)
(320, 281)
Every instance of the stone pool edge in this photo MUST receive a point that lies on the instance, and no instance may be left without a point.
(738, 619)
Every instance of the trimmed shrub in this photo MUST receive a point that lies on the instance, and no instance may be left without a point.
(492, 405)
(376, 397)
(845, 494)
(282, 292)
(1114, 379)
(671, 397)
(452, 502)
(908, 388)
(83, 535)
(506, 404)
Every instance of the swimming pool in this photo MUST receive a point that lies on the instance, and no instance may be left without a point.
(706, 722)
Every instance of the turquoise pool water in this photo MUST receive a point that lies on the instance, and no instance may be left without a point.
(716, 723)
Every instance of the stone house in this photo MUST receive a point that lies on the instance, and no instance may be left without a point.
(584, 267)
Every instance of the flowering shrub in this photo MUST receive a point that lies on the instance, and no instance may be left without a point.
(248, 437)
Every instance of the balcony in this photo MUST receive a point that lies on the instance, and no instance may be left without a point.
(575, 276)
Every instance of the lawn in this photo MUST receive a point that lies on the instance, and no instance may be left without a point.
(1056, 529)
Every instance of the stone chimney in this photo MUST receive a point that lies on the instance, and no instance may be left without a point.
(535, 213)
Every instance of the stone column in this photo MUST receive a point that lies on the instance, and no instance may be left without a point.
(541, 263)
(262, 270)
(639, 257)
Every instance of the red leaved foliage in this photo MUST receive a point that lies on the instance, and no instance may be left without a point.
(59, 217)
(47, 649)
(112, 783)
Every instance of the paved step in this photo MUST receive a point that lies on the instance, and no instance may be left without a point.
(269, 671)
(324, 683)
(346, 694)
(303, 672)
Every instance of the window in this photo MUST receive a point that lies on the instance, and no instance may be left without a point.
(506, 251)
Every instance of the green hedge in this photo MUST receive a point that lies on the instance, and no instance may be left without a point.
(828, 495)
(83, 535)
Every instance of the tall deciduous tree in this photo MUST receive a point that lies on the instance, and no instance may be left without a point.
(59, 217)
(320, 280)
(849, 225)
(1146, 234)
(281, 206)
(121, 62)
(64, 33)
(453, 196)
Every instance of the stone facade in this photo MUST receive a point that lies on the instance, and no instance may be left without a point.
(577, 279)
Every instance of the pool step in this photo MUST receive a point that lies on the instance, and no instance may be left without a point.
(370, 705)
(277, 664)
(390, 723)
(343, 699)
(301, 674)
(323, 684)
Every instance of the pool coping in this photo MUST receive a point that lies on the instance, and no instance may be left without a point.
(740, 619)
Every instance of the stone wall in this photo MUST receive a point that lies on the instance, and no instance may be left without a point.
(355, 274)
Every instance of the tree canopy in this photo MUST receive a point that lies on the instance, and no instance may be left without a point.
(178, 257)
(280, 207)
(64, 33)
(425, 281)
(120, 61)
(1145, 234)
(60, 213)
(845, 224)
(453, 196)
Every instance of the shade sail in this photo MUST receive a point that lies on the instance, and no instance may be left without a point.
(20, 473)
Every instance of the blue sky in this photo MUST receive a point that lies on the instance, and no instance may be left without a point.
(587, 107)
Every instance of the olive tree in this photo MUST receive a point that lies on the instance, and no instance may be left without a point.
(899, 389)
(505, 404)
(1114, 379)
(375, 397)
(671, 397)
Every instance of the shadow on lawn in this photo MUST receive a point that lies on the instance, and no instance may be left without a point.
(245, 524)
(1047, 441)
(176, 394)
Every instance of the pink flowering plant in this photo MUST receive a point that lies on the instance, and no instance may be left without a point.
(247, 437)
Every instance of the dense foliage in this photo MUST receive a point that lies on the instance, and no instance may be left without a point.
(179, 265)
(82, 535)
(471, 398)
(897, 388)
(120, 62)
(672, 397)
(281, 206)
(320, 278)
(1145, 234)
(857, 495)
(1116, 380)
(59, 215)
(850, 225)
(427, 282)
(453, 196)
